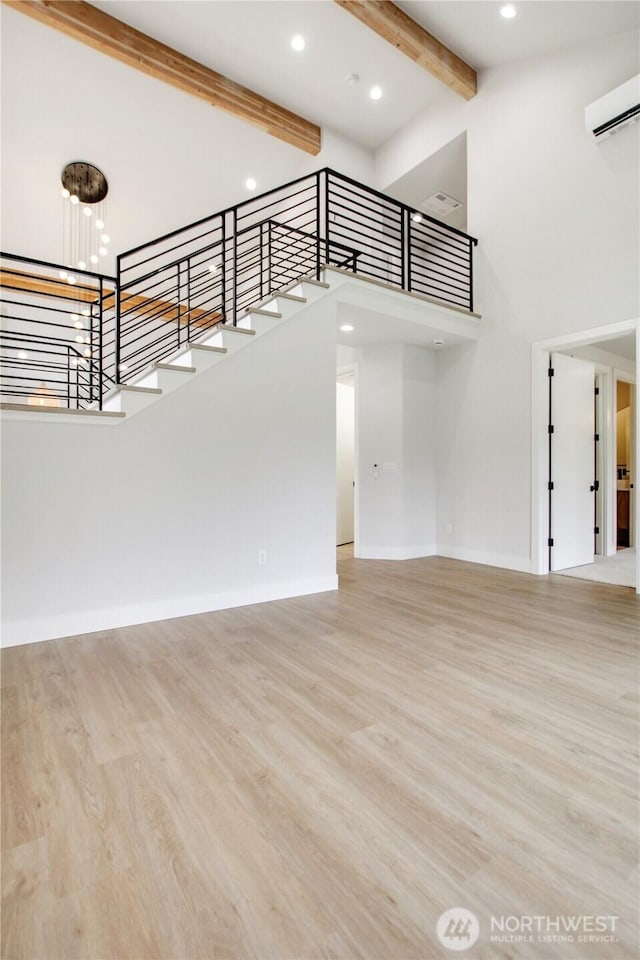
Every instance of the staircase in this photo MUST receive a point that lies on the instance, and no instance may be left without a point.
(106, 348)
(186, 363)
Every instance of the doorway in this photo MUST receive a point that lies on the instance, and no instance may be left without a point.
(625, 464)
(345, 458)
(613, 350)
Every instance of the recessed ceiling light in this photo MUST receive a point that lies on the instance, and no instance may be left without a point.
(352, 79)
(375, 93)
(508, 11)
(298, 42)
(347, 327)
(417, 218)
(250, 183)
(22, 355)
(438, 342)
(212, 268)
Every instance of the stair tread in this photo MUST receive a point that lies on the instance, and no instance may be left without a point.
(263, 313)
(314, 282)
(289, 296)
(174, 366)
(232, 329)
(204, 346)
(131, 388)
(33, 408)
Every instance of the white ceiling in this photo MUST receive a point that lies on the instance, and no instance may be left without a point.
(624, 346)
(375, 327)
(475, 30)
(248, 41)
(171, 158)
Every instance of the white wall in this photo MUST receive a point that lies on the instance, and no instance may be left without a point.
(169, 158)
(163, 515)
(395, 403)
(557, 219)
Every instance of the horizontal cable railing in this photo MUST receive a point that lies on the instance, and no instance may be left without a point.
(73, 342)
(57, 334)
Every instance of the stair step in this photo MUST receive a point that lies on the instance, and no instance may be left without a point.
(16, 411)
(204, 346)
(290, 296)
(131, 388)
(309, 288)
(173, 366)
(231, 338)
(261, 312)
(130, 399)
(198, 357)
(232, 329)
(281, 304)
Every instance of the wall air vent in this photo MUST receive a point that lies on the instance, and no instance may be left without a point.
(440, 205)
(614, 111)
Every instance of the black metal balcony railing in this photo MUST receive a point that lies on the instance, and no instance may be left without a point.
(175, 289)
(57, 339)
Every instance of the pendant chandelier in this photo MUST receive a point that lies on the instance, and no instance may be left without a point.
(85, 240)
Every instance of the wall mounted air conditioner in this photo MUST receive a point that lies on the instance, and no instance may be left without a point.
(615, 110)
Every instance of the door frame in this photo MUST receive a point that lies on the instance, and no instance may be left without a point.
(343, 370)
(626, 378)
(540, 352)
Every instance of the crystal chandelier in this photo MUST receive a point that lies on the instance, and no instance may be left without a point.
(85, 240)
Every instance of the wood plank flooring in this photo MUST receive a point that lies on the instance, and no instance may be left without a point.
(322, 777)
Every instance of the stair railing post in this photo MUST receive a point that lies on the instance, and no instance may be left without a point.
(327, 225)
(318, 227)
(471, 275)
(269, 253)
(224, 269)
(235, 266)
(406, 219)
(179, 317)
(100, 343)
(117, 295)
(188, 301)
(261, 228)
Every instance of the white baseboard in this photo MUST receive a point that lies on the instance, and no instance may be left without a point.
(393, 553)
(521, 564)
(91, 621)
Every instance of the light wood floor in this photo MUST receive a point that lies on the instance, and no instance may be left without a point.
(322, 777)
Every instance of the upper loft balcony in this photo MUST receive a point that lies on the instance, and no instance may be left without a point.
(69, 345)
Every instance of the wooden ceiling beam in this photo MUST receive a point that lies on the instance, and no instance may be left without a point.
(116, 39)
(394, 25)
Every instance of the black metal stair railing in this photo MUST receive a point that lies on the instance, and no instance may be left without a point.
(57, 338)
(71, 344)
(176, 288)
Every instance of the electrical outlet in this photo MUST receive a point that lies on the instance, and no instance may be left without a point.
(262, 558)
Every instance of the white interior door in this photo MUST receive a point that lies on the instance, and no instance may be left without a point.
(572, 462)
(345, 440)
